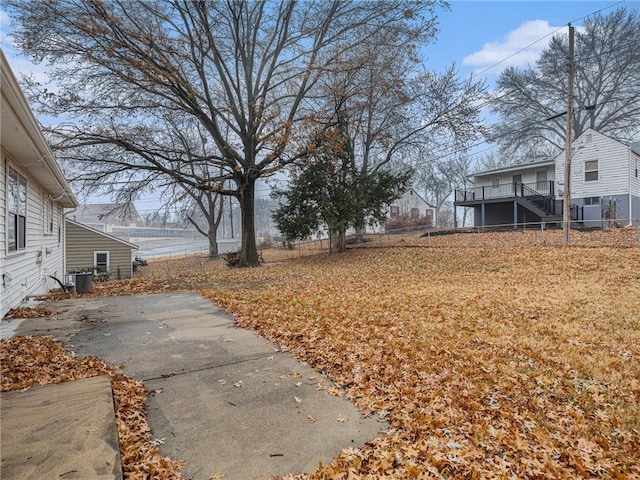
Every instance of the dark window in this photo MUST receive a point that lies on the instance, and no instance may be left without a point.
(590, 201)
(395, 211)
(101, 261)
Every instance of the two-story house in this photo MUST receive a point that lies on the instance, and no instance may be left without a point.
(410, 210)
(604, 187)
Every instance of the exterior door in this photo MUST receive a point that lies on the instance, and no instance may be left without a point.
(515, 180)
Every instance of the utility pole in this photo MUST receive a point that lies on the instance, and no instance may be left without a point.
(566, 204)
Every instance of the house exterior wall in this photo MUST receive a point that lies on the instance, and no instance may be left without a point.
(617, 177)
(411, 201)
(82, 243)
(27, 271)
(529, 176)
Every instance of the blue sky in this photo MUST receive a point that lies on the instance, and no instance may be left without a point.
(478, 34)
(475, 34)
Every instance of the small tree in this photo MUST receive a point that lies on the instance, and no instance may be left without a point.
(330, 190)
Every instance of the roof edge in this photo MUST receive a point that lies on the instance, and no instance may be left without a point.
(111, 237)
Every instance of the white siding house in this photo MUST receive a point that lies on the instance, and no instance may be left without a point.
(604, 179)
(410, 210)
(604, 187)
(33, 194)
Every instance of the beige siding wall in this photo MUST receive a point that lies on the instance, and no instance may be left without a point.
(27, 272)
(83, 243)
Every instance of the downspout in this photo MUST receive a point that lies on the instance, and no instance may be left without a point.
(64, 239)
(629, 191)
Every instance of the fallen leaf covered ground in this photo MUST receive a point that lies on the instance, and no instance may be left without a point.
(27, 361)
(491, 356)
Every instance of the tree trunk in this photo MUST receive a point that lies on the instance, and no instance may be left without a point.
(213, 242)
(341, 241)
(248, 250)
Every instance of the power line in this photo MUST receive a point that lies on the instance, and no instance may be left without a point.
(544, 37)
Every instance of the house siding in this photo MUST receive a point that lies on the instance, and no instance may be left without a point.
(506, 178)
(82, 243)
(28, 271)
(613, 175)
(617, 181)
(3, 211)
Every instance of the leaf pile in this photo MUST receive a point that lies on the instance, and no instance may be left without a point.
(29, 361)
(497, 358)
(487, 362)
(25, 312)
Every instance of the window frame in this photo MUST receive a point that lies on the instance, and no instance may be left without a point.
(17, 208)
(588, 171)
(591, 202)
(95, 261)
(541, 184)
(48, 220)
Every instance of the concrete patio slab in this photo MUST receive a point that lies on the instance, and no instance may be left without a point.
(65, 431)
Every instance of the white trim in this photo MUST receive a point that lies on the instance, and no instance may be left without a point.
(95, 259)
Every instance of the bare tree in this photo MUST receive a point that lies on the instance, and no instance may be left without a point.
(246, 71)
(607, 88)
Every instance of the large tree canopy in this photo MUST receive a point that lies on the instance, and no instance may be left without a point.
(248, 73)
(607, 60)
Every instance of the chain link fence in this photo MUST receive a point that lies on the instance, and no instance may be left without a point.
(525, 234)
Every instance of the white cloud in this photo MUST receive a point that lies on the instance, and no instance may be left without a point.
(516, 40)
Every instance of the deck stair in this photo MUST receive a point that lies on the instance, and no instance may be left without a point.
(544, 205)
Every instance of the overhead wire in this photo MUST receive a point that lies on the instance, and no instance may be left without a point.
(506, 94)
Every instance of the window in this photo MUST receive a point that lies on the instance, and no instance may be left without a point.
(592, 201)
(495, 182)
(17, 207)
(48, 215)
(101, 262)
(415, 213)
(591, 171)
(541, 181)
(395, 211)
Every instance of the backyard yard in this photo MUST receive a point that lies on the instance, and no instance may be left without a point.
(502, 360)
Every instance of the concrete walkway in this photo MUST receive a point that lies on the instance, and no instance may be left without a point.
(226, 401)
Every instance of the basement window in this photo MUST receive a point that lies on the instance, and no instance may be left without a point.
(592, 201)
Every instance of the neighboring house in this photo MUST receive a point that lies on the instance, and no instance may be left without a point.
(97, 215)
(410, 210)
(605, 187)
(88, 248)
(33, 194)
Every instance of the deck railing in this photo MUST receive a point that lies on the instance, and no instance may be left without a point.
(504, 190)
